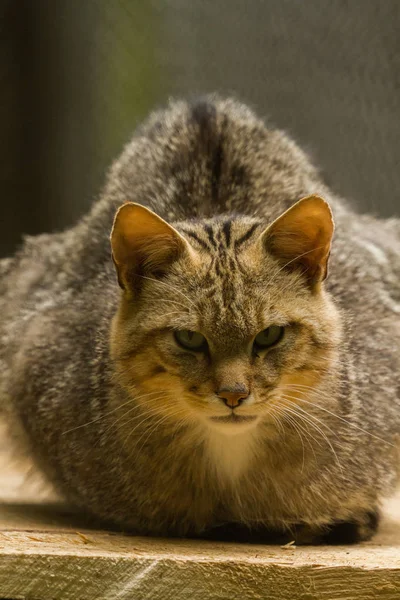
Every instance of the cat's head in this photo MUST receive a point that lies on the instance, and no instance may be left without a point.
(223, 321)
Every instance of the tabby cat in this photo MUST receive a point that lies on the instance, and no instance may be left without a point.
(203, 373)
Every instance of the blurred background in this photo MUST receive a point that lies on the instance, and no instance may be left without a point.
(78, 75)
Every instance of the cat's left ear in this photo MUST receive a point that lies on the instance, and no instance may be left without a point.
(301, 238)
(143, 244)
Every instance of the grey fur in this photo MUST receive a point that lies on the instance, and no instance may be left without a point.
(59, 294)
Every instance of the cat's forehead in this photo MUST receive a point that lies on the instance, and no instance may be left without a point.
(223, 276)
(235, 285)
(223, 236)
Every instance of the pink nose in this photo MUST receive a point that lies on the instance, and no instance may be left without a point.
(232, 399)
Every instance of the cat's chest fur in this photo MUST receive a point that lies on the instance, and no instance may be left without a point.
(229, 457)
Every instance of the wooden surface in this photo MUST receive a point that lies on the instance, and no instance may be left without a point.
(48, 553)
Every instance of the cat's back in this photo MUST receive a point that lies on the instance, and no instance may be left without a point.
(209, 156)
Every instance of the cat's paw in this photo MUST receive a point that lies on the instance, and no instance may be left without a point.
(341, 532)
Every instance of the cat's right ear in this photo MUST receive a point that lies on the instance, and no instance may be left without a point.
(143, 244)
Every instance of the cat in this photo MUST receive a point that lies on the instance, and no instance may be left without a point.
(203, 370)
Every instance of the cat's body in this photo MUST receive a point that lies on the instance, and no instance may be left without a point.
(145, 470)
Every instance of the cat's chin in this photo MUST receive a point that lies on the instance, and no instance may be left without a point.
(230, 424)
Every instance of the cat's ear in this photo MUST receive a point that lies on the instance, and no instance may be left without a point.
(143, 244)
(301, 238)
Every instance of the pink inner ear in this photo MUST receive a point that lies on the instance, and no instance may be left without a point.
(302, 236)
(142, 241)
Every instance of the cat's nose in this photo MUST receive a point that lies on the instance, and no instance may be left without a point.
(233, 399)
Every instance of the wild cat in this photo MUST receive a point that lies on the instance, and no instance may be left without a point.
(219, 377)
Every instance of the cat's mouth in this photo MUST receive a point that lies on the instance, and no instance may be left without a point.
(233, 418)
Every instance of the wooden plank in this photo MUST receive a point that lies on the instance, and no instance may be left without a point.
(44, 555)
(54, 577)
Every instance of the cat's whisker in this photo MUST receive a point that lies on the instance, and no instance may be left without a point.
(272, 413)
(294, 425)
(309, 436)
(179, 424)
(147, 411)
(349, 423)
(300, 428)
(136, 407)
(103, 416)
(304, 428)
(310, 391)
(305, 389)
(291, 399)
(148, 416)
(308, 418)
(154, 428)
(323, 436)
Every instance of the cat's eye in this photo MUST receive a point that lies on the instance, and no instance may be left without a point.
(269, 337)
(191, 340)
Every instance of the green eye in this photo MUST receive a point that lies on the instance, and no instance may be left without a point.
(191, 340)
(269, 337)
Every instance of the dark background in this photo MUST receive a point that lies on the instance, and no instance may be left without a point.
(77, 75)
